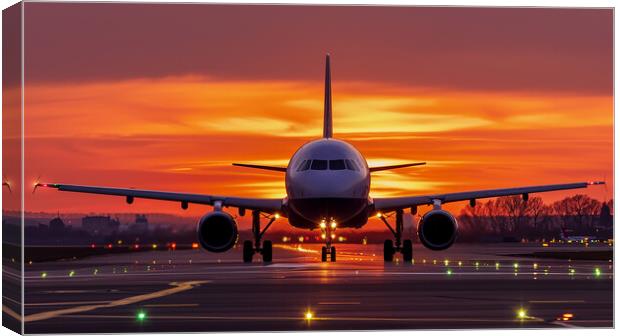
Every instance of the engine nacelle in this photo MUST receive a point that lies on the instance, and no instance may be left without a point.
(217, 231)
(437, 230)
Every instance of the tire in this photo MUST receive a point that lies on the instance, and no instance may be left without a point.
(323, 254)
(267, 251)
(407, 251)
(332, 254)
(388, 250)
(248, 251)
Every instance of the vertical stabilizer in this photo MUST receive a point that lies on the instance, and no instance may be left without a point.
(327, 111)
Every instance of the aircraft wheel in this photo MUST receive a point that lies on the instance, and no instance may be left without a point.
(248, 251)
(407, 250)
(323, 254)
(388, 250)
(333, 254)
(267, 251)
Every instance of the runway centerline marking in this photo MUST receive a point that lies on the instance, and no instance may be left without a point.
(178, 287)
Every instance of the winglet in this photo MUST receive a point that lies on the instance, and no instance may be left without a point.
(327, 110)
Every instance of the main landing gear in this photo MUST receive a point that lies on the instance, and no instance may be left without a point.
(328, 233)
(390, 248)
(249, 247)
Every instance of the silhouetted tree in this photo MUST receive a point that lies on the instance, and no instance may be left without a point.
(578, 211)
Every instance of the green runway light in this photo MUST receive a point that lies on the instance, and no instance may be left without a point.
(44, 275)
(448, 272)
(597, 272)
(71, 273)
(572, 271)
(141, 316)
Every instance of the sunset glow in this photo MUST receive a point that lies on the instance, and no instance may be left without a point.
(180, 129)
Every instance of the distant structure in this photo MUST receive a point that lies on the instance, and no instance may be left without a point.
(141, 225)
(100, 225)
(56, 225)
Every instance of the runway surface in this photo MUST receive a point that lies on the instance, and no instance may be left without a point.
(467, 286)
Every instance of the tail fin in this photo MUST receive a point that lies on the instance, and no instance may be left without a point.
(327, 111)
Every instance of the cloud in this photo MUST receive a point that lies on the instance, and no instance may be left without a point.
(182, 133)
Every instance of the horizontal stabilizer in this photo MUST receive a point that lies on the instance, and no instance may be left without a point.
(380, 168)
(280, 169)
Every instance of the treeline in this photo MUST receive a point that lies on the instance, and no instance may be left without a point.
(533, 219)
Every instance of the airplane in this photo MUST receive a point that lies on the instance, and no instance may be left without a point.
(327, 183)
(579, 239)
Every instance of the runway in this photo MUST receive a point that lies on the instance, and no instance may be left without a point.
(467, 286)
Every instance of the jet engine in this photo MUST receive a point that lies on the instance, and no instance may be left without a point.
(217, 231)
(437, 229)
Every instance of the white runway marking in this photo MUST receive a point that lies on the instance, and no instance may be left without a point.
(178, 287)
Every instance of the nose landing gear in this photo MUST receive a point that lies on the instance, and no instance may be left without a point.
(390, 248)
(328, 233)
(249, 247)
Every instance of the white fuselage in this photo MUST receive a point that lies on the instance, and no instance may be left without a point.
(327, 179)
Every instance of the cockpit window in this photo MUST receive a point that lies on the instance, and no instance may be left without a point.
(319, 165)
(307, 165)
(301, 165)
(351, 165)
(336, 165)
(304, 165)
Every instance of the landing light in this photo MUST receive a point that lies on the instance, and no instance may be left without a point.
(333, 225)
(379, 215)
(308, 315)
(277, 215)
(521, 313)
(323, 225)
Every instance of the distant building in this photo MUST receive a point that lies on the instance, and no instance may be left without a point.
(57, 225)
(141, 225)
(100, 225)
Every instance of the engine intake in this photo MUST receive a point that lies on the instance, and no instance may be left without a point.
(217, 231)
(437, 230)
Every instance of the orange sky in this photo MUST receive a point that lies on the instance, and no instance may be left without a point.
(179, 130)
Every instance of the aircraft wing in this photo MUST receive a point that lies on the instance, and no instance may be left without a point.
(381, 168)
(263, 204)
(395, 203)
